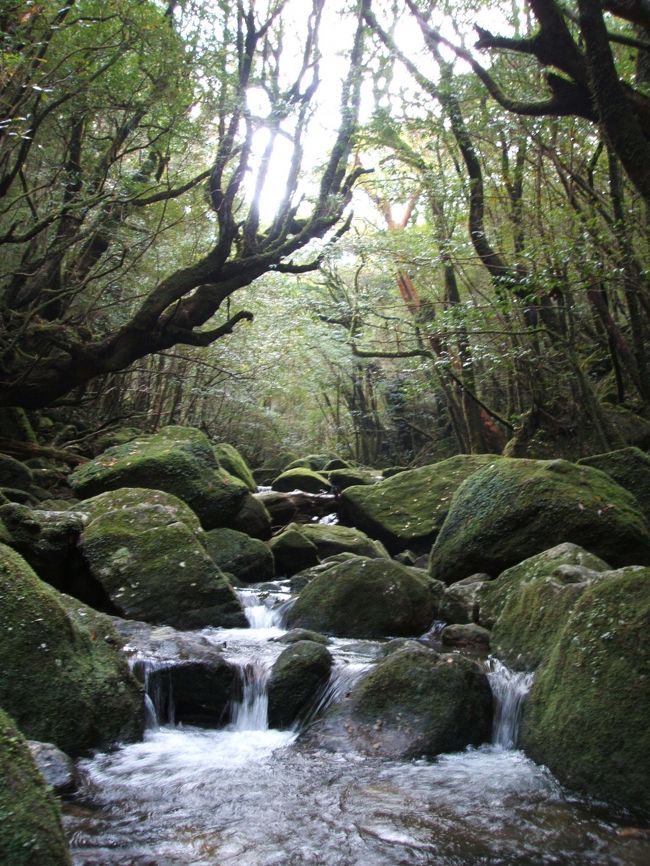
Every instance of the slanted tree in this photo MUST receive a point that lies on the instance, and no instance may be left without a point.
(101, 105)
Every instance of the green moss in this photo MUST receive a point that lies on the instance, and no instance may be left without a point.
(587, 714)
(365, 598)
(62, 682)
(529, 604)
(341, 479)
(293, 552)
(408, 509)
(331, 540)
(629, 467)
(296, 677)
(177, 460)
(316, 462)
(249, 559)
(30, 824)
(229, 459)
(513, 508)
(146, 549)
(301, 479)
(15, 474)
(252, 518)
(14, 424)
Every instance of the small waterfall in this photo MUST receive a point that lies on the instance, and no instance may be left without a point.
(259, 614)
(509, 689)
(342, 679)
(159, 707)
(251, 713)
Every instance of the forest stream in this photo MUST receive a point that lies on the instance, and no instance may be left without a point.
(254, 796)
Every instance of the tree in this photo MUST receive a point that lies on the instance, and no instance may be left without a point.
(98, 101)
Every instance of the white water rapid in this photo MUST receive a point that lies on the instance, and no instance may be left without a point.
(247, 795)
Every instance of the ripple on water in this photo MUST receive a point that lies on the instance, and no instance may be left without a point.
(189, 797)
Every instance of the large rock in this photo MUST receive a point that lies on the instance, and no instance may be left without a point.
(193, 692)
(408, 509)
(629, 467)
(177, 460)
(297, 676)
(15, 474)
(461, 601)
(587, 714)
(293, 552)
(366, 598)
(229, 458)
(30, 823)
(301, 479)
(413, 703)
(528, 605)
(331, 540)
(146, 549)
(252, 518)
(63, 679)
(513, 509)
(48, 541)
(249, 559)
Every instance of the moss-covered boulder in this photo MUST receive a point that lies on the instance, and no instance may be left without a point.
(528, 605)
(341, 479)
(460, 602)
(252, 518)
(15, 474)
(512, 509)
(146, 549)
(30, 822)
(629, 467)
(301, 479)
(413, 703)
(316, 462)
(587, 714)
(408, 509)
(48, 541)
(366, 598)
(297, 676)
(293, 552)
(63, 679)
(177, 460)
(229, 458)
(249, 559)
(14, 424)
(331, 540)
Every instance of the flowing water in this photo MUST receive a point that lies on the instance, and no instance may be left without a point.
(249, 796)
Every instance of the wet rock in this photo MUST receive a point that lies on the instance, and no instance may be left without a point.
(296, 634)
(366, 598)
(461, 601)
(587, 714)
(30, 830)
(198, 692)
(249, 559)
(64, 679)
(176, 460)
(467, 635)
(55, 766)
(146, 549)
(296, 678)
(413, 703)
(515, 508)
(407, 510)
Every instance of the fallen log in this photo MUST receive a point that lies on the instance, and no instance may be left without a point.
(297, 506)
(30, 449)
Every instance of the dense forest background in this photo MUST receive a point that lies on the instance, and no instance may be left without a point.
(392, 230)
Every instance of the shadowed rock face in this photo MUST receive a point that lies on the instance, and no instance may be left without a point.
(414, 703)
(63, 678)
(296, 677)
(30, 829)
